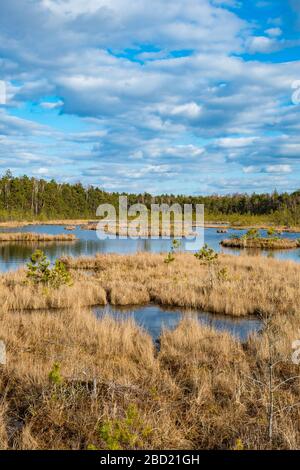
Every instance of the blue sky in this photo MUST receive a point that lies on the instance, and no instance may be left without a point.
(180, 96)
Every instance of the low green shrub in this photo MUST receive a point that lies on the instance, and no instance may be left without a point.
(176, 244)
(127, 432)
(55, 374)
(206, 255)
(39, 271)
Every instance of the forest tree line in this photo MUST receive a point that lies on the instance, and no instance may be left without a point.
(30, 198)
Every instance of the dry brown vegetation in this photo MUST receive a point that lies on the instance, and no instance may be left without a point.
(24, 223)
(35, 237)
(124, 230)
(18, 293)
(89, 226)
(112, 389)
(262, 243)
(237, 285)
(73, 381)
(162, 230)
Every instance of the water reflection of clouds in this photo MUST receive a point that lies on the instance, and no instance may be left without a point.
(154, 318)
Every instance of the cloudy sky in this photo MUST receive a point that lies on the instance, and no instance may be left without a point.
(182, 96)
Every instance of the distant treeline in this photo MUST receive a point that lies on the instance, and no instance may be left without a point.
(30, 198)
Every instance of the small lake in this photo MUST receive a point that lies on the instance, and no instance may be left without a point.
(16, 254)
(153, 318)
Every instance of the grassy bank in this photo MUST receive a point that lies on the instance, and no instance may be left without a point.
(35, 237)
(33, 221)
(17, 293)
(262, 243)
(74, 382)
(160, 231)
(218, 221)
(234, 286)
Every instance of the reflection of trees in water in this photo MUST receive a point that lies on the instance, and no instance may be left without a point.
(148, 244)
(21, 251)
(12, 253)
(288, 254)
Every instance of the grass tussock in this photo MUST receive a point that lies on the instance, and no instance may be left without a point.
(237, 285)
(89, 226)
(234, 285)
(123, 230)
(24, 223)
(168, 230)
(262, 243)
(75, 382)
(18, 293)
(35, 237)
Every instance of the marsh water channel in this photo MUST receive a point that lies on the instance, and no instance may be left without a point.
(153, 319)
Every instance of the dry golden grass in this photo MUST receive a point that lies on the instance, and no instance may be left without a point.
(235, 286)
(127, 294)
(262, 243)
(35, 237)
(117, 354)
(3, 432)
(227, 386)
(13, 224)
(167, 230)
(247, 286)
(35, 340)
(202, 390)
(89, 226)
(17, 293)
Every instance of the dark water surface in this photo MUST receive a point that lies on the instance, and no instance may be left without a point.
(16, 254)
(154, 318)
